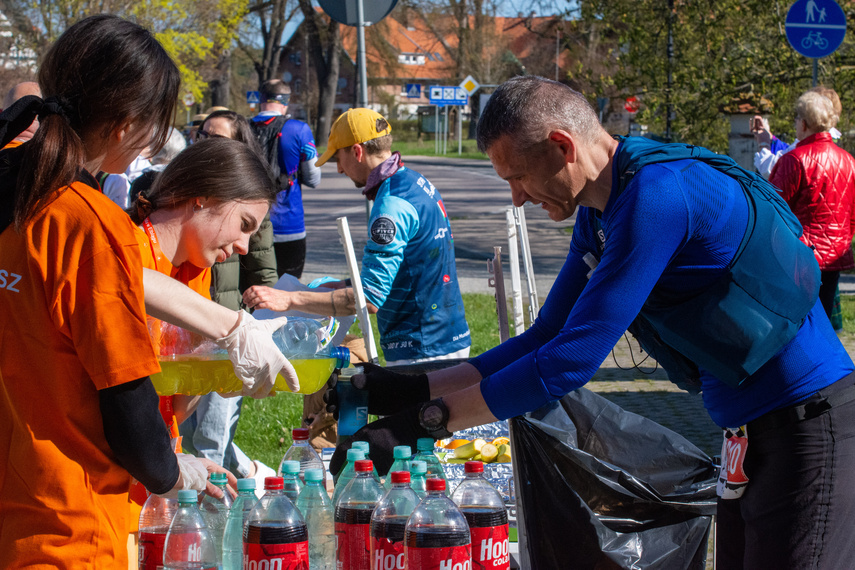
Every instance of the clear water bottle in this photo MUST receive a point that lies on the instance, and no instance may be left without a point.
(418, 477)
(437, 535)
(291, 479)
(366, 448)
(307, 338)
(389, 521)
(402, 455)
(425, 446)
(485, 512)
(353, 518)
(215, 512)
(188, 543)
(317, 509)
(303, 453)
(155, 516)
(348, 472)
(238, 515)
(275, 535)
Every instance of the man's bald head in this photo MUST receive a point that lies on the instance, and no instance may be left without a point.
(20, 90)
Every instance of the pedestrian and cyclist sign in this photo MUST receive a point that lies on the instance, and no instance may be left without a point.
(815, 28)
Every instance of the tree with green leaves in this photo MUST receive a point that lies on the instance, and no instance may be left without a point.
(725, 52)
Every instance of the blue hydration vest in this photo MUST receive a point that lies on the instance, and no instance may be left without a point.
(749, 313)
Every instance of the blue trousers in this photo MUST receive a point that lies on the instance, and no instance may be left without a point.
(210, 433)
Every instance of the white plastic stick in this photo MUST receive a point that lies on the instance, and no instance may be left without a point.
(359, 296)
(497, 280)
(522, 229)
(514, 264)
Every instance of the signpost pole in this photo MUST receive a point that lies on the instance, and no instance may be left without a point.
(815, 71)
(436, 130)
(360, 33)
(459, 130)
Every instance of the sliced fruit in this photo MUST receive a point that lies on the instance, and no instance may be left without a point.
(504, 455)
(500, 441)
(455, 443)
(468, 450)
(489, 452)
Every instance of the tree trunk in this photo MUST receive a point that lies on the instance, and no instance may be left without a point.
(219, 86)
(325, 51)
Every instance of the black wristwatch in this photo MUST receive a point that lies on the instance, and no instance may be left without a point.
(433, 417)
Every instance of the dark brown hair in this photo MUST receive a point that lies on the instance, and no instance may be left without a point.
(218, 168)
(107, 72)
(241, 130)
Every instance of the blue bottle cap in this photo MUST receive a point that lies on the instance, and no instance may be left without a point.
(418, 467)
(354, 454)
(425, 443)
(314, 475)
(219, 478)
(187, 496)
(363, 445)
(342, 356)
(291, 467)
(402, 452)
(246, 485)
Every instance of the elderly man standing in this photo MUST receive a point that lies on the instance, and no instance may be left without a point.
(701, 260)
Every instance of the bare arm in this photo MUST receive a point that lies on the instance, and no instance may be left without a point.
(449, 380)
(337, 302)
(467, 408)
(183, 406)
(170, 300)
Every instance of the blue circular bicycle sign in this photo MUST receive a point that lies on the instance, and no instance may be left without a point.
(815, 28)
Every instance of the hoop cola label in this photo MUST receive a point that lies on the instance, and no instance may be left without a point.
(443, 558)
(490, 548)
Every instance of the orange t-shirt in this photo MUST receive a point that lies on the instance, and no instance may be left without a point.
(73, 323)
(199, 280)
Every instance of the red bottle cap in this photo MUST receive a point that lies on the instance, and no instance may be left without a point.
(401, 477)
(473, 467)
(435, 484)
(300, 433)
(363, 465)
(273, 483)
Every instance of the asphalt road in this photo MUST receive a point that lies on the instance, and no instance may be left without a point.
(476, 200)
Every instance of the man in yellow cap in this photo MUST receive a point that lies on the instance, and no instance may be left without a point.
(408, 270)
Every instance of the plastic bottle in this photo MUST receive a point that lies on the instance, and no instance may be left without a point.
(291, 479)
(353, 518)
(418, 477)
(188, 543)
(190, 367)
(352, 405)
(425, 446)
(215, 512)
(485, 512)
(275, 535)
(389, 521)
(238, 515)
(402, 455)
(303, 453)
(348, 472)
(366, 447)
(437, 535)
(155, 516)
(317, 510)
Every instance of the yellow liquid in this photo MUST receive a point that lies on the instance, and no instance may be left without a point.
(194, 375)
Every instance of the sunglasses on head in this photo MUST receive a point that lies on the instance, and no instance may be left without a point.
(200, 134)
(281, 98)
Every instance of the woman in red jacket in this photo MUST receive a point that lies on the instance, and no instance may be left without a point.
(817, 179)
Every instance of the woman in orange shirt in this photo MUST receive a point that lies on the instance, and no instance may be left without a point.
(78, 414)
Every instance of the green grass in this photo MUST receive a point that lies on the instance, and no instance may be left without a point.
(264, 430)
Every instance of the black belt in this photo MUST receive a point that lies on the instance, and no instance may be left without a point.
(837, 394)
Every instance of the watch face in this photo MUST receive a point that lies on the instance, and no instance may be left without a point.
(432, 416)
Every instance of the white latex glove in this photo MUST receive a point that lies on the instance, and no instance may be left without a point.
(193, 475)
(256, 358)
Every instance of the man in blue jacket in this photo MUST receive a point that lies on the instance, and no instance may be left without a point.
(699, 259)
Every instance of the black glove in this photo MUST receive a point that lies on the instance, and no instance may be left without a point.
(388, 392)
(382, 436)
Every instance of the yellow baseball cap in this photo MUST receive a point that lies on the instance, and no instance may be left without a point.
(352, 127)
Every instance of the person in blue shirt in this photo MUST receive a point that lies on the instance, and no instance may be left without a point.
(290, 148)
(408, 271)
(683, 242)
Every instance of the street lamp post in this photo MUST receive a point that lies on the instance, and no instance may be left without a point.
(668, 106)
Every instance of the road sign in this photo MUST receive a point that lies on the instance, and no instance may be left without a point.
(470, 85)
(632, 104)
(345, 11)
(253, 97)
(448, 95)
(188, 99)
(815, 28)
(414, 90)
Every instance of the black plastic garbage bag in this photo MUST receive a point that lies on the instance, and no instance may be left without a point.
(600, 487)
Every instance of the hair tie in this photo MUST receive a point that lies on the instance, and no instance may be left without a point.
(144, 206)
(54, 105)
